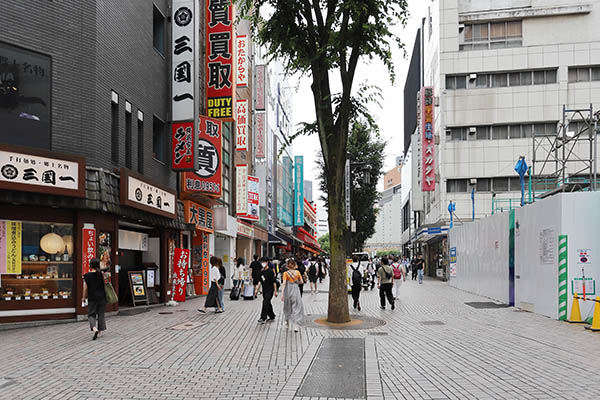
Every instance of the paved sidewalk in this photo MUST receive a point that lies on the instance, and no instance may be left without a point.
(467, 353)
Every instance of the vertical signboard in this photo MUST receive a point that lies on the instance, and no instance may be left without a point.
(253, 211)
(260, 137)
(241, 189)
(2, 247)
(241, 122)
(88, 237)
(299, 191)
(242, 61)
(219, 59)
(347, 190)
(10, 246)
(428, 141)
(182, 146)
(183, 59)
(181, 259)
(260, 87)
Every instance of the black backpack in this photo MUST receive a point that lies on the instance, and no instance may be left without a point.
(312, 270)
(356, 277)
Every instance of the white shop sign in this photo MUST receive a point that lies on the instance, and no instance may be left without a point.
(129, 240)
(29, 169)
(183, 59)
(148, 195)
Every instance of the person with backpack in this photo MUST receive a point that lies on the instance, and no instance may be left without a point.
(399, 277)
(356, 281)
(385, 282)
(313, 275)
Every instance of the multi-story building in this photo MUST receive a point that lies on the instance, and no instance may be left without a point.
(496, 74)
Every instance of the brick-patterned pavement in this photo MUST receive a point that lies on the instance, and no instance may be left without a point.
(475, 354)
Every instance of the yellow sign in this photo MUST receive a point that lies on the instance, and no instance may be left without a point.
(13, 247)
(225, 257)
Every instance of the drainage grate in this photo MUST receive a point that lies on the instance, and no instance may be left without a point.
(428, 323)
(338, 370)
(378, 333)
(166, 312)
(483, 305)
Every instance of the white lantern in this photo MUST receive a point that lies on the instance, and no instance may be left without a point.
(52, 243)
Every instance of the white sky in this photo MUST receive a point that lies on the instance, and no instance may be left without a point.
(389, 117)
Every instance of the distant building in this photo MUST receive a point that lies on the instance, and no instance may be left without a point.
(392, 177)
(308, 191)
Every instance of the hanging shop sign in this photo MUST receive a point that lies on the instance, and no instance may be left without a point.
(241, 123)
(138, 192)
(183, 59)
(201, 217)
(260, 87)
(88, 247)
(253, 209)
(245, 230)
(428, 140)
(299, 191)
(182, 146)
(219, 59)
(11, 233)
(242, 61)
(33, 170)
(241, 189)
(181, 259)
(207, 179)
(260, 126)
(130, 240)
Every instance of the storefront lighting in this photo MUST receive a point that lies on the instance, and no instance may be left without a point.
(52, 243)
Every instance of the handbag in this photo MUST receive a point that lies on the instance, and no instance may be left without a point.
(109, 292)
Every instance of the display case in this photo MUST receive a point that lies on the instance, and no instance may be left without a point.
(40, 280)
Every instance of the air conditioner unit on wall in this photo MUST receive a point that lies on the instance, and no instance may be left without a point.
(472, 130)
(472, 77)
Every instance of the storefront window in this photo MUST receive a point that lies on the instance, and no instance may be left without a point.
(39, 261)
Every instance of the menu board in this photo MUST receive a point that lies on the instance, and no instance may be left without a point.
(137, 284)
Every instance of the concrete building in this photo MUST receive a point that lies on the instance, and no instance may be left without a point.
(392, 178)
(500, 73)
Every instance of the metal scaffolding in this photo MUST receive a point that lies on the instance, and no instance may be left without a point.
(566, 161)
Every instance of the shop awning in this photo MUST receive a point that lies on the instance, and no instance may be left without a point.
(275, 239)
(310, 249)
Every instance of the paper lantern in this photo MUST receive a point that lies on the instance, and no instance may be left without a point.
(68, 239)
(52, 243)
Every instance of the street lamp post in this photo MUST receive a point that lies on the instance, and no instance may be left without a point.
(350, 166)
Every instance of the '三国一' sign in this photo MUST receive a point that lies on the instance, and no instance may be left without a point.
(137, 192)
(33, 170)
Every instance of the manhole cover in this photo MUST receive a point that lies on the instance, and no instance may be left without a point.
(182, 310)
(431, 323)
(486, 305)
(357, 322)
(378, 333)
(165, 312)
(188, 326)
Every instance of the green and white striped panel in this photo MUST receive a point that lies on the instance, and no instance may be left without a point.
(562, 277)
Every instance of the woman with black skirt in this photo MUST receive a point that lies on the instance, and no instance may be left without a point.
(212, 300)
(93, 291)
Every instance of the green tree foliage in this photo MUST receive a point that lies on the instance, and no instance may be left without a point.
(324, 242)
(323, 38)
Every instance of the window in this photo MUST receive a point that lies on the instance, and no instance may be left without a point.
(128, 140)
(458, 134)
(526, 78)
(491, 35)
(499, 80)
(514, 184)
(158, 30)
(514, 79)
(500, 184)
(482, 81)
(584, 74)
(526, 131)
(551, 76)
(483, 185)
(140, 145)
(159, 140)
(461, 82)
(596, 73)
(482, 133)
(538, 77)
(114, 132)
(450, 82)
(456, 185)
(499, 132)
(514, 131)
(504, 79)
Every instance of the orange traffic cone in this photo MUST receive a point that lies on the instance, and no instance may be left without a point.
(596, 321)
(575, 312)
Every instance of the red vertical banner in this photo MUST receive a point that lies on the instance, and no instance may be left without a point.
(88, 237)
(428, 140)
(181, 260)
(220, 55)
(182, 146)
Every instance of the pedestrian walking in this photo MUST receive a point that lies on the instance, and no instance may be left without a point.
(212, 299)
(371, 272)
(356, 281)
(302, 270)
(420, 264)
(255, 269)
(293, 309)
(399, 277)
(413, 267)
(313, 275)
(93, 292)
(269, 285)
(223, 273)
(385, 276)
(238, 272)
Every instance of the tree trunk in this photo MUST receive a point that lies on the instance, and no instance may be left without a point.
(337, 311)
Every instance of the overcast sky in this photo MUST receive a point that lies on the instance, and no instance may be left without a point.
(389, 116)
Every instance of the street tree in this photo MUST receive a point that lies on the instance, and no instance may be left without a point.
(321, 38)
(324, 242)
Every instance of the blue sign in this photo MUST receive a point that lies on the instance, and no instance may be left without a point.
(299, 191)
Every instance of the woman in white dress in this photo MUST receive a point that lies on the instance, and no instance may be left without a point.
(293, 308)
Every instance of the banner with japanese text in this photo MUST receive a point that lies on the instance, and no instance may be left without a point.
(207, 178)
(219, 59)
(200, 217)
(181, 259)
(241, 189)
(241, 124)
(3, 247)
(88, 237)
(259, 129)
(10, 247)
(260, 88)
(252, 190)
(299, 191)
(182, 146)
(428, 140)
(183, 59)
(242, 61)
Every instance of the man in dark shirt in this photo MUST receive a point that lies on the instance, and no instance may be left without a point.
(420, 267)
(255, 269)
(269, 290)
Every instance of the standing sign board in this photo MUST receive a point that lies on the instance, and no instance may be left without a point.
(428, 140)
(219, 59)
(299, 191)
(137, 284)
(181, 259)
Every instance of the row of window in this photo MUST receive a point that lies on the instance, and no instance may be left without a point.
(115, 134)
(500, 132)
(497, 185)
(584, 74)
(491, 35)
(501, 79)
